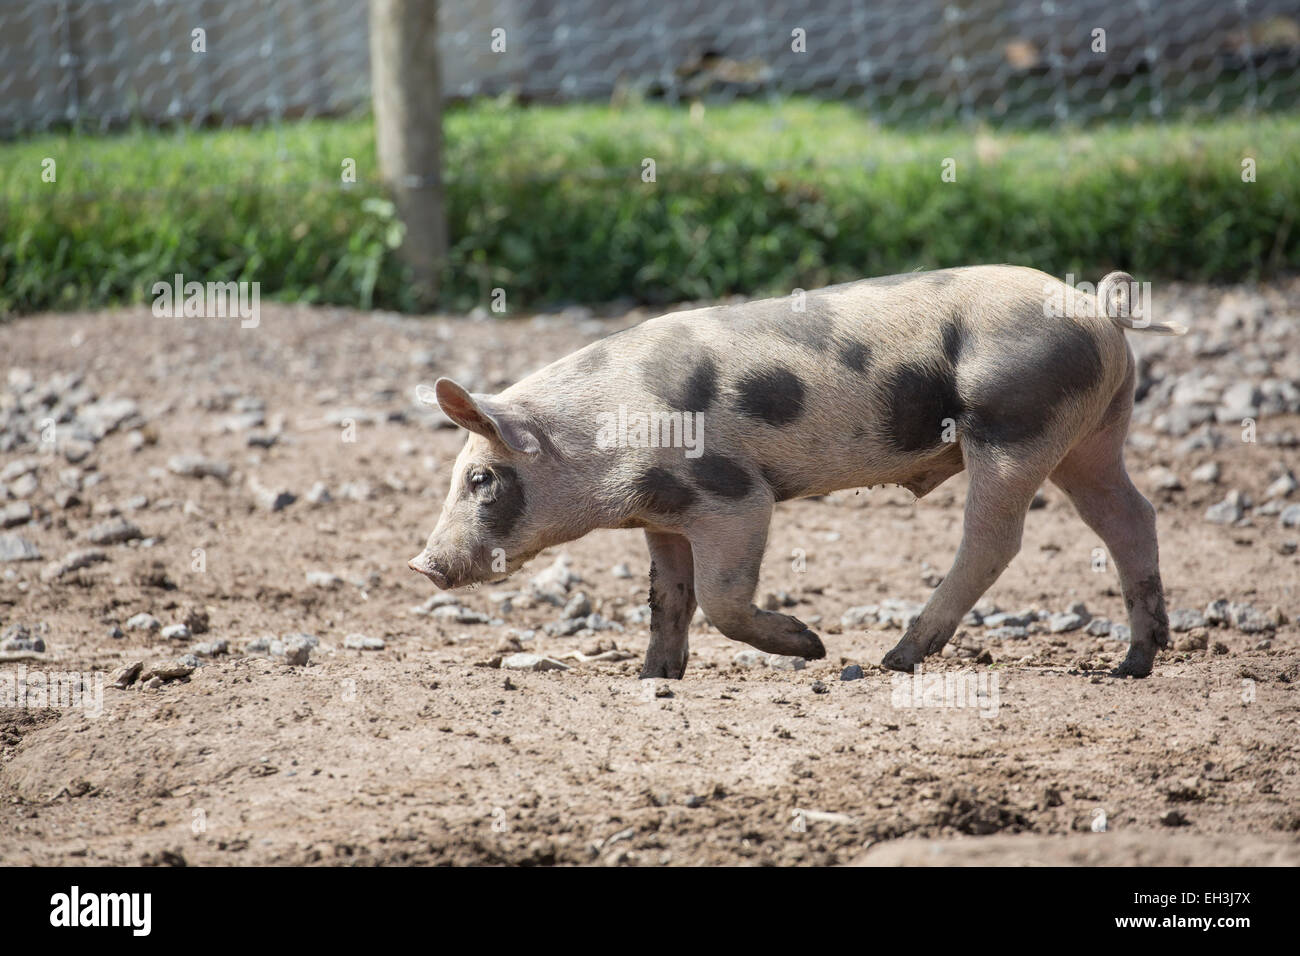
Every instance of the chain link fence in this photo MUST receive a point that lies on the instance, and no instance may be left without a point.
(100, 64)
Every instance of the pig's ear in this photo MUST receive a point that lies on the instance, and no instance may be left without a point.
(484, 415)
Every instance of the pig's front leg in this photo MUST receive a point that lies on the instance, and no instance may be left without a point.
(672, 603)
(728, 552)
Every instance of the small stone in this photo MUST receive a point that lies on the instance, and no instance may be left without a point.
(621, 571)
(532, 662)
(1218, 613)
(296, 651)
(1162, 479)
(114, 531)
(1185, 619)
(24, 487)
(1006, 619)
(13, 515)
(859, 616)
(1207, 474)
(176, 632)
(319, 494)
(819, 688)
(73, 561)
(1174, 818)
(197, 466)
(640, 614)
(1008, 633)
(1228, 511)
(18, 638)
(212, 648)
(1282, 486)
(1065, 622)
(143, 622)
(167, 671)
(852, 672)
(125, 675)
(1099, 627)
(1192, 643)
(324, 579)
(359, 642)
(18, 468)
(461, 615)
(579, 606)
(1251, 620)
(75, 450)
(1289, 517)
(749, 659)
(552, 584)
(196, 619)
(781, 662)
(16, 548)
(1121, 632)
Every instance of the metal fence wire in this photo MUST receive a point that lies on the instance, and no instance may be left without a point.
(100, 64)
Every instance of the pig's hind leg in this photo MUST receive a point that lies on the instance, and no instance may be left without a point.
(1094, 477)
(672, 604)
(1002, 484)
(728, 551)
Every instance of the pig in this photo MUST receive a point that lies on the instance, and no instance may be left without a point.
(1003, 371)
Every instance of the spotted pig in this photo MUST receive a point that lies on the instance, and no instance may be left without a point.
(1002, 371)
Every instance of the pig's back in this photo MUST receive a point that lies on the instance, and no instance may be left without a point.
(871, 382)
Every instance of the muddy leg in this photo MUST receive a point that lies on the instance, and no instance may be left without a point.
(999, 496)
(672, 603)
(728, 551)
(1094, 477)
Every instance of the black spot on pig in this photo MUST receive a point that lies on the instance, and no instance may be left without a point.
(721, 476)
(661, 492)
(952, 340)
(503, 510)
(700, 388)
(856, 355)
(774, 395)
(782, 488)
(917, 398)
(1028, 377)
(682, 387)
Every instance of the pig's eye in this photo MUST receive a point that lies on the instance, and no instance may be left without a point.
(479, 480)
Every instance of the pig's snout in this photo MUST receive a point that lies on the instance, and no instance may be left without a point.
(423, 562)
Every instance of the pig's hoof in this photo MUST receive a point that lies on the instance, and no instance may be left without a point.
(815, 649)
(662, 670)
(1138, 663)
(903, 657)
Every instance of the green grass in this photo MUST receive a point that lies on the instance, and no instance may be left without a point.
(548, 203)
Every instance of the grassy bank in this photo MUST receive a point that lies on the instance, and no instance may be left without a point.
(549, 204)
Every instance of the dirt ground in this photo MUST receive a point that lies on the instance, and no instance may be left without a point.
(423, 752)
